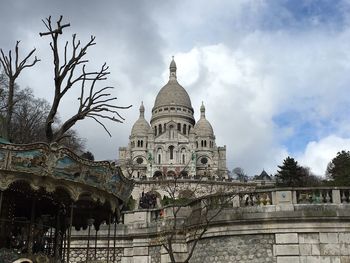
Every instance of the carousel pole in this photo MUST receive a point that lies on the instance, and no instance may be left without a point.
(108, 237)
(1, 196)
(96, 243)
(114, 237)
(90, 222)
(31, 226)
(70, 231)
(57, 235)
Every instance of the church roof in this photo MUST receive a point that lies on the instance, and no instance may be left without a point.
(263, 176)
(203, 127)
(141, 126)
(173, 93)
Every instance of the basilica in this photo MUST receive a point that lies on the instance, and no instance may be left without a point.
(173, 143)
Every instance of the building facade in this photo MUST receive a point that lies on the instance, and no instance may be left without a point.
(173, 143)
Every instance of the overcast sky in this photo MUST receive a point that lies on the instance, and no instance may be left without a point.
(274, 75)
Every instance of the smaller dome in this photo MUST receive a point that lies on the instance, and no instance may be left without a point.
(203, 127)
(141, 127)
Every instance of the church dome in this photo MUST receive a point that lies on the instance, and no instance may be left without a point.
(141, 126)
(173, 93)
(203, 127)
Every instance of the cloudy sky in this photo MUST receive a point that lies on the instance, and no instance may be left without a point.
(274, 75)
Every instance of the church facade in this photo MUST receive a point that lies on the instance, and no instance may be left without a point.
(173, 143)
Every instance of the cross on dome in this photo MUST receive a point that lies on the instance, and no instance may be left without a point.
(172, 70)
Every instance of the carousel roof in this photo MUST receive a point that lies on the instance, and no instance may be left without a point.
(51, 167)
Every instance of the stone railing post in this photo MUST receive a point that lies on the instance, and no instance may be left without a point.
(336, 196)
(273, 198)
(294, 195)
(284, 200)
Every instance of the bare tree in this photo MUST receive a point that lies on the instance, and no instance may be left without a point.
(94, 103)
(241, 175)
(12, 69)
(212, 201)
(28, 118)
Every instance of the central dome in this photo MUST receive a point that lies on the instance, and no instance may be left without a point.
(173, 93)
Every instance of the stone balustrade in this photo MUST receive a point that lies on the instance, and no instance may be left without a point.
(279, 225)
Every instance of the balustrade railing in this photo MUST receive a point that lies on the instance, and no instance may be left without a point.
(255, 199)
(314, 196)
(345, 196)
(284, 198)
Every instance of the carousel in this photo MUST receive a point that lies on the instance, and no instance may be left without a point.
(45, 192)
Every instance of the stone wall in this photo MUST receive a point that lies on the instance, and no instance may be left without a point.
(245, 249)
(327, 247)
(79, 255)
(280, 226)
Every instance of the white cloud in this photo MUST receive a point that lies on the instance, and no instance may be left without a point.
(318, 154)
(249, 61)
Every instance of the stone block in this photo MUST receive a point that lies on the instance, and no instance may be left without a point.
(305, 249)
(141, 259)
(127, 260)
(283, 197)
(128, 252)
(285, 207)
(344, 238)
(345, 249)
(329, 238)
(165, 258)
(286, 250)
(345, 259)
(330, 249)
(140, 251)
(324, 259)
(336, 197)
(288, 260)
(288, 238)
(309, 238)
(309, 259)
(315, 249)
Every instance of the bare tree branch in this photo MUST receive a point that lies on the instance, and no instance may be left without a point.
(12, 72)
(94, 103)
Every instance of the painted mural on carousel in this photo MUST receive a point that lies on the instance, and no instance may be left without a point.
(60, 163)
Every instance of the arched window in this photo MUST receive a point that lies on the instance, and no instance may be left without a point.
(141, 143)
(138, 143)
(171, 152)
(159, 151)
(164, 127)
(205, 143)
(202, 143)
(184, 129)
(155, 130)
(179, 126)
(196, 144)
(189, 129)
(183, 155)
(171, 132)
(160, 128)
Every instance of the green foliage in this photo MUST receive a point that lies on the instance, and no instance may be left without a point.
(291, 174)
(88, 155)
(182, 201)
(131, 204)
(338, 170)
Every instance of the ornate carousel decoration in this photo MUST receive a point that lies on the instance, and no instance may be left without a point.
(45, 191)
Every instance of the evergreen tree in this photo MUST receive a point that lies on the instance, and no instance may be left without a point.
(338, 169)
(290, 174)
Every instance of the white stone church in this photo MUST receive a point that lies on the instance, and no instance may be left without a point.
(173, 143)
